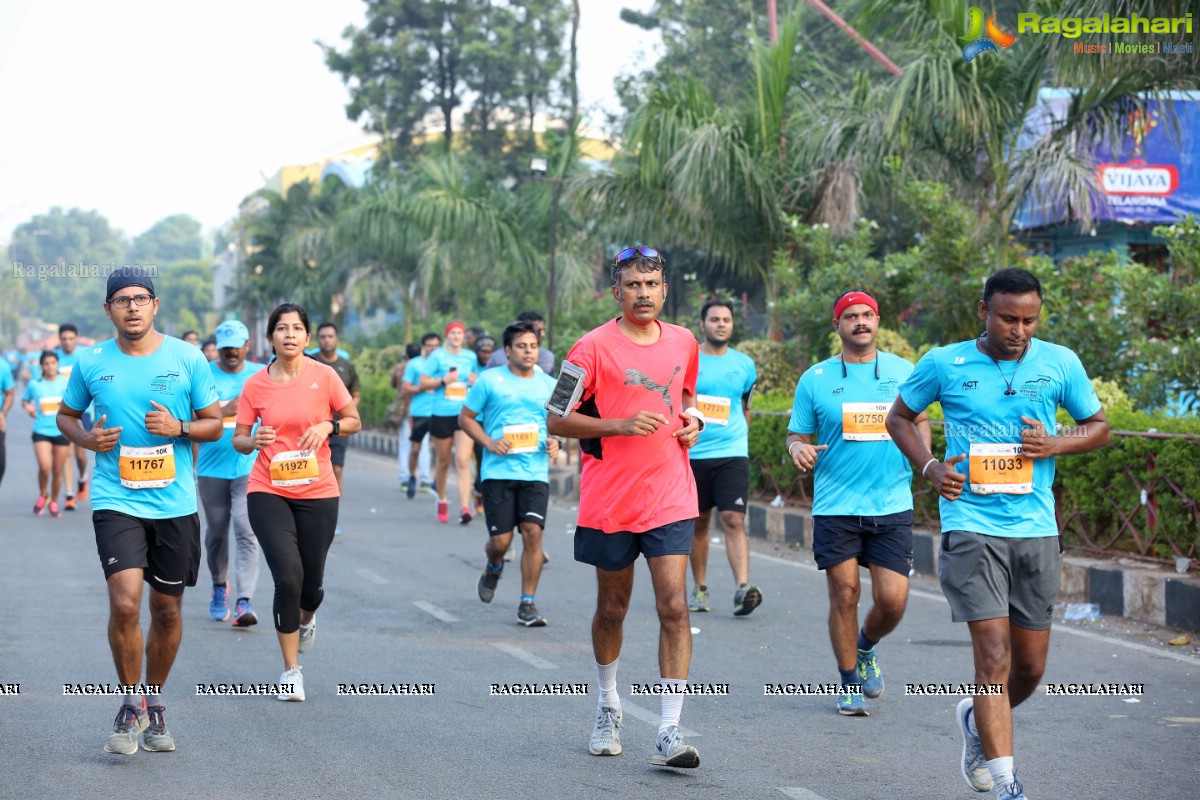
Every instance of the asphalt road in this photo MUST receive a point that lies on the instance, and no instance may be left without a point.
(401, 607)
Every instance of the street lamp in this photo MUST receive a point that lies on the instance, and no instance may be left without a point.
(537, 170)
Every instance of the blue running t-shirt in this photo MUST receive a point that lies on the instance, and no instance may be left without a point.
(514, 407)
(724, 382)
(46, 397)
(145, 476)
(448, 399)
(1005, 494)
(218, 459)
(421, 404)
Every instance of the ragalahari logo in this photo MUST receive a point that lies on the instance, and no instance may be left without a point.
(981, 38)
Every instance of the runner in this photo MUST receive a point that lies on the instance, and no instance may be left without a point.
(209, 348)
(68, 357)
(637, 494)
(720, 460)
(148, 386)
(42, 398)
(862, 495)
(545, 357)
(484, 347)
(292, 495)
(516, 466)
(451, 370)
(1001, 559)
(7, 388)
(192, 338)
(223, 475)
(329, 354)
(420, 412)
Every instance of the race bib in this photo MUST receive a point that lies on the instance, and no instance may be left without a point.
(714, 409)
(456, 390)
(864, 422)
(49, 405)
(1000, 469)
(147, 467)
(229, 422)
(65, 371)
(294, 468)
(522, 438)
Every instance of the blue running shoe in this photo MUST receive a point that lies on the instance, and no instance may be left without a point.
(1014, 791)
(869, 672)
(218, 607)
(850, 702)
(243, 615)
(410, 490)
(974, 763)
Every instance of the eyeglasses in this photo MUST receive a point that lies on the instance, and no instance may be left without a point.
(138, 300)
(634, 252)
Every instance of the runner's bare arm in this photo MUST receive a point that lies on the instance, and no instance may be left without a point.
(581, 426)
(468, 420)
(99, 439)
(1089, 434)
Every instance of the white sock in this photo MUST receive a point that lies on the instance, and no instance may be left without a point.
(672, 703)
(606, 681)
(1002, 770)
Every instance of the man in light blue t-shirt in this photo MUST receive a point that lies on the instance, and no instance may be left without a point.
(68, 357)
(516, 462)
(7, 388)
(862, 498)
(1001, 561)
(416, 456)
(223, 474)
(450, 371)
(720, 458)
(154, 396)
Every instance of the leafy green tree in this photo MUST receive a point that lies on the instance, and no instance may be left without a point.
(173, 238)
(186, 289)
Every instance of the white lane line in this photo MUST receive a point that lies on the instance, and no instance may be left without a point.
(1141, 648)
(526, 656)
(651, 718)
(434, 611)
(800, 793)
(373, 577)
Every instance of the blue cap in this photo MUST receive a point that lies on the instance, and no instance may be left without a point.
(231, 333)
(128, 276)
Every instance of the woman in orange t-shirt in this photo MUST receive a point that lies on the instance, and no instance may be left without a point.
(292, 495)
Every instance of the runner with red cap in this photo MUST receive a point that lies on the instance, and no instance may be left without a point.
(862, 497)
(450, 371)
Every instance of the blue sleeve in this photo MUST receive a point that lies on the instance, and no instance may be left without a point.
(751, 378)
(804, 418)
(6, 378)
(1079, 396)
(477, 396)
(28, 393)
(204, 388)
(433, 364)
(411, 375)
(924, 385)
(77, 397)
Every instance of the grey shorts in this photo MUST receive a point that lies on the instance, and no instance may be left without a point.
(990, 577)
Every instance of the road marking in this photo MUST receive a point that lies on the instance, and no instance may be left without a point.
(651, 718)
(800, 793)
(373, 577)
(526, 656)
(434, 611)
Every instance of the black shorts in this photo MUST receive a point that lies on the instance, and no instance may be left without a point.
(613, 552)
(337, 450)
(57, 441)
(885, 540)
(508, 503)
(442, 427)
(420, 427)
(167, 550)
(722, 482)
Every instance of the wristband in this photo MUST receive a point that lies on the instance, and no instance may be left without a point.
(337, 428)
(927, 463)
(697, 413)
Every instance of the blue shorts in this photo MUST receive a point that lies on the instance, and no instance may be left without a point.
(885, 540)
(613, 552)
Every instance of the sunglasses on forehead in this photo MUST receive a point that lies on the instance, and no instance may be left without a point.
(634, 252)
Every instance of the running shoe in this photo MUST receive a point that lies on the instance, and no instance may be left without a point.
(746, 599)
(443, 511)
(218, 606)
(870, 673)
(308, 636)
(157, 739)
(606, 736)
(1014, 791)
(487, 584)
(410, 488)
(850, 703)
(54, 509)
(124, 738)
(69, 503)
(291, 685)
(670, 751)
(431, 488)
(974, 762)
(243, 615)
(39, 507)
(464, 516)
(699, 599)
(478, 504)
(83, 489)
(527, 615)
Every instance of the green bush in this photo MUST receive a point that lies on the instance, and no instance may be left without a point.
(377, 394)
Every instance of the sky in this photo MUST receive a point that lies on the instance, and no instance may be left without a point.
(141, 110)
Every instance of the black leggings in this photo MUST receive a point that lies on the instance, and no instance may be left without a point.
(295, 536)
(3, 455)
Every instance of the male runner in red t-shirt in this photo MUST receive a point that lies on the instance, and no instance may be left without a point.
(637, 493)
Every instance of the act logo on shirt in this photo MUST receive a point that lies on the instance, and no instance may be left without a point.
(970, 386)
(839, 390)
(165, 384)
(107, 378)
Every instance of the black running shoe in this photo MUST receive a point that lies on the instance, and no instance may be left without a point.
(528, 616)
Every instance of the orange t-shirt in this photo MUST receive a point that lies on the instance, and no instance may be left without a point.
(291, 409)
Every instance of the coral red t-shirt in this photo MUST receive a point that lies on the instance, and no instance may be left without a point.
(636, 483)
(291, 409)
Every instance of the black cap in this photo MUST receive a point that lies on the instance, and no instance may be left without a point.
(128, 276)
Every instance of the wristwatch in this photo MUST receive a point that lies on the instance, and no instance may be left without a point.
(185, 428)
